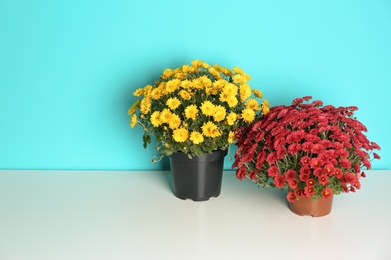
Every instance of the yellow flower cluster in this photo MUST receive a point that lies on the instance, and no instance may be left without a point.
(196, 108)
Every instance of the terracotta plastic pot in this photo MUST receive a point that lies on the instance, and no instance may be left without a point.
(308, 207)
(198, 178)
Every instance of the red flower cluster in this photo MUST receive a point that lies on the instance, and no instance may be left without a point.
(310, 149)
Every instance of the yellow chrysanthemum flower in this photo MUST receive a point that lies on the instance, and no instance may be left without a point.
(220, 84)
(147, 90)
(232, 101)
(248, 115)
(211, 91)
(245, 92)
(167, 73)
(174, 122)
(186, 68)
(196, 137)
(145, 105)
(187, 84)
(133, 120)
(207, 108)
(265, 107)
(133, 109)
(231, 118)
(196, 64)
(219, 113)
(185, 94)
(180, 75)
(205, 65)
(197, 84)
(239, 79)
(214, 73)
(231, 136)
(209, 129)
(230, 89)
(206, 82)
(165, 115)
(162, 85)
(173, 103)
(223, 97)
(191, 112)
(253, 104)
(238, 71)
(180, 135)
(138, 92)
(156, 93)
(173, 85)
(257, 93)
(226, 72)
(155, 119)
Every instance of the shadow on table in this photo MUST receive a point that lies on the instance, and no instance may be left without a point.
(251, 190)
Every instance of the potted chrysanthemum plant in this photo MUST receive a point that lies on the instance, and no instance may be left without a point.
(192, 111)
(313, 151)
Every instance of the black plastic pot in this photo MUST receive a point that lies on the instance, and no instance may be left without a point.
(198, 178)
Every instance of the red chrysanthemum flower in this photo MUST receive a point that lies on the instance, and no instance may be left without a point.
(261, 156)
(367, 163)
(258, 165)
(375, 146)
(327, 193)
(291, 196)
(338, 173)
(241, 173)
(317, 148)
(323, 179)
(318, 171)
(329, 169)
(273, 171)
(306, 147)
(297, 101)
(350, 177)
(325, 143)
(279, 180)
(337, 145)
(281, 153)
(357, 184)
(309, 191)
(294, 148)
(305, 170)
(271, 158)
(299, 193)
(310, 182)
(357, 167)
(304, 176)
(290, 174)
(312, 138)
(315, 163)
(342, 153)
(292, 183)
(305, 160)
(345, 163)
(260, 135)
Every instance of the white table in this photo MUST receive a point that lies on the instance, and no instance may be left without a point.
(56, 215)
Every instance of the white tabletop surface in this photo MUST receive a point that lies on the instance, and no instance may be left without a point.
(116, 215)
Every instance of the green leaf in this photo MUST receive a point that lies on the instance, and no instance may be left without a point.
(146, 139)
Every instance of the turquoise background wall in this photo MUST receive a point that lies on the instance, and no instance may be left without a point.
(68, 68)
